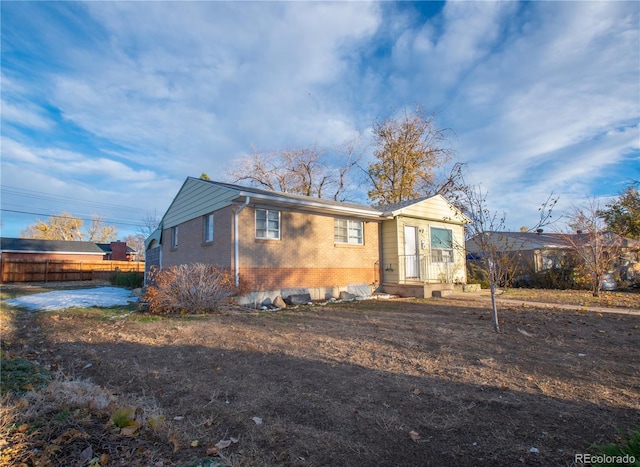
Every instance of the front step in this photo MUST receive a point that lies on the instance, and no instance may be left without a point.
(418, 290)
(441, 293)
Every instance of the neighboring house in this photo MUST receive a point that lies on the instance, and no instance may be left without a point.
(539, 251)
(118, 251)
(36, 249)
(20, 251)
(279, 243)
(534, 251)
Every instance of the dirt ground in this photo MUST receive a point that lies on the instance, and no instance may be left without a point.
(379, 382)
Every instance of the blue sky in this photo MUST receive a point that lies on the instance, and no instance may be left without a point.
(108, 106)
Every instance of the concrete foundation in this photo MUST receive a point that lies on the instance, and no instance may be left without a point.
(418, 290)
(256, 299)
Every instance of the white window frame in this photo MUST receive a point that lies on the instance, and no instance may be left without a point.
(268, 232)
(208, 227)
(174, 236)
(351, 229)
(441, 255)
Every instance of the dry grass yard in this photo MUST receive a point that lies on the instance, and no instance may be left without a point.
(370, 383)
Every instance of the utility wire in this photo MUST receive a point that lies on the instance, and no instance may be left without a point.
(106, 220)
(11, 190)
(10, 207)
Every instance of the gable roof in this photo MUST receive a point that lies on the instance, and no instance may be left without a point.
(401, 204)
(435, 207)
(524, 240)
(106, 248)
(550, 241)
(31, 245)
(198, 197)
(302, 200)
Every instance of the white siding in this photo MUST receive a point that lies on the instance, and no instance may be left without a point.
(436, 208)
(390, 241)
(432, 212)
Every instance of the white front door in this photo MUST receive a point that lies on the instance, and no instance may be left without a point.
(411, 257)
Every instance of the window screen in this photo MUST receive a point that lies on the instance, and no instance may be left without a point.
(267, 224)
(348, 231)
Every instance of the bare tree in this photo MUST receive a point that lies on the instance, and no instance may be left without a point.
(148, 225)
(545, 212)
(496, 250)
(483, 224)
(349, 154)
(305, 171)
(408, 150)
(137, 243)
(595, 247)
(450, 184)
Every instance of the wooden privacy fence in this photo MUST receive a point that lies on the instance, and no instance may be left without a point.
(52, 270)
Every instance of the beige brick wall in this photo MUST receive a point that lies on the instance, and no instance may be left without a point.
(306, 240)
(191, 247)
(305, 255)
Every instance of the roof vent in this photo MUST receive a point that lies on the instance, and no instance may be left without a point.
(539, 231)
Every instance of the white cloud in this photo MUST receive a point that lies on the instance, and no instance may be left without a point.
(542, 95)
(14, 151)
(214, 75)
(557, 86)
(24, 114)
(69, 165)
(435, 59)
(44, 190)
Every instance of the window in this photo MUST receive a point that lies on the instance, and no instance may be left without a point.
(267, 224)
(347, 231)
(174, 237)
(551, 261)
(208, 227)
(441, 245)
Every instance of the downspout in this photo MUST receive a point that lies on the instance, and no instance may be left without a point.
(236, 247)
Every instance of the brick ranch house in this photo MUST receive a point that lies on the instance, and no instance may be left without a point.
(280, 243)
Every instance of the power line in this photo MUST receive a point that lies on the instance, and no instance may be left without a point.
(10, 206)
(11, 190)
(107, 220)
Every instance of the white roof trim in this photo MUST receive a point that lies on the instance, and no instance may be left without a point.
(310, 203)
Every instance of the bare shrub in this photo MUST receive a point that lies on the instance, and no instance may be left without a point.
(189, 288)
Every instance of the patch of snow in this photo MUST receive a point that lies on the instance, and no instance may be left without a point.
(61, 299)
